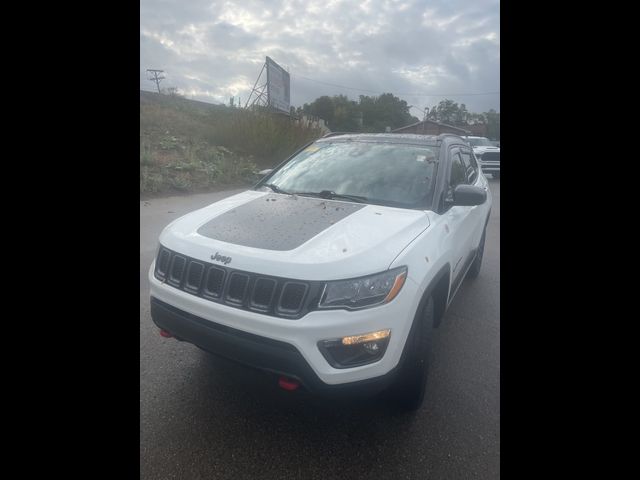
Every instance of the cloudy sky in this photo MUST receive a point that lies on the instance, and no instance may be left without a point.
(416, 49)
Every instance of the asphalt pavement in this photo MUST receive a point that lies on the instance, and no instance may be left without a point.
(206, 418)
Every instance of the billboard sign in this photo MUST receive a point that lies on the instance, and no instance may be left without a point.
(278, 84)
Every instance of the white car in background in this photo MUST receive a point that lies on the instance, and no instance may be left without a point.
(487, 153)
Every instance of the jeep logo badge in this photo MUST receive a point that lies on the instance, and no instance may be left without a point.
(219, 258)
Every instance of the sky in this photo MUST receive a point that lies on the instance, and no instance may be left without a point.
(422, 51)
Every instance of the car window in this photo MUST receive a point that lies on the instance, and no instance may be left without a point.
(458, 172)
(480, 142)
(471, 168)
(394, 174)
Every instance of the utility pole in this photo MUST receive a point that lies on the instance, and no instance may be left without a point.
(156, 77)
(424, 120)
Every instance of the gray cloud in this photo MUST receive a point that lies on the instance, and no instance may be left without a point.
(212, 49)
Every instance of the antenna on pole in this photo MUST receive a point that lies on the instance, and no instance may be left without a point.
(424, 120)
(155, 76)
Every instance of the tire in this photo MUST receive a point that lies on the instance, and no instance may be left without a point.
(474, 270)
(408, 391)
(496, 175)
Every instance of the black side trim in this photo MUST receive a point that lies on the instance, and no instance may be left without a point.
(462, 273)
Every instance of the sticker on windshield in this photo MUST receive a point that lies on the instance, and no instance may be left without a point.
(312, 148)
(428, 157)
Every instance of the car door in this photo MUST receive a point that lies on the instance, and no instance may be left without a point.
(461, 221)
(477, 214)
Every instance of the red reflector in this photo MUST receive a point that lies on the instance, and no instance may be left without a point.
(288, 383)
(165, 334)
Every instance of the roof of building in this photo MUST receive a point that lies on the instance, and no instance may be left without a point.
(461, 130)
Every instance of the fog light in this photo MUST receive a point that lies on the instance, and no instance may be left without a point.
(368, 337)
(355, 350)
(371, 347)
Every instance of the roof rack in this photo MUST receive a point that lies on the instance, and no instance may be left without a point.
(450, 135)
(333, 134)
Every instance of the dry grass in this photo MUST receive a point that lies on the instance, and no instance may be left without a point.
(187, 147)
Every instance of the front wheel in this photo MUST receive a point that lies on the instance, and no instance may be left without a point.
(409, 389)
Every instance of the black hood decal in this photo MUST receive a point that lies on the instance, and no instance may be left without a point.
(277, 222)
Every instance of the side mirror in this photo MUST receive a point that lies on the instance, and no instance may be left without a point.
(469, 196)
(266, 171)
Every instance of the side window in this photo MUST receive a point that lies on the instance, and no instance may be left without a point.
(458, 171)
(470, 166)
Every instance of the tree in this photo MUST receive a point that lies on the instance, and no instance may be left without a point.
(447, 111)
(345, 114)
(493, 124)
(322, 107)
(374, 114)
(383, 111)
(173, 92)
(475, 118)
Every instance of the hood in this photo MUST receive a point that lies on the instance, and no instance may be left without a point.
(481, 150)
(296, 237)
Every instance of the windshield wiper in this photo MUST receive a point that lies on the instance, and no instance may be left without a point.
(276, 189)
(330, 195)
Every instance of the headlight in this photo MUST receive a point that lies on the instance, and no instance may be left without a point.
(364, 291)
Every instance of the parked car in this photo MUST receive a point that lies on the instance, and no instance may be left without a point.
(488, 155)
(334, 270)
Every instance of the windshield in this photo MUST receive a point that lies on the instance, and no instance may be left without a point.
(391, 174)
(480, 142)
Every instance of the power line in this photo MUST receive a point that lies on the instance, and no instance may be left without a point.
(403, 94)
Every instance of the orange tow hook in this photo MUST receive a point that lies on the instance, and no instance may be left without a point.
(288, 384)
(165, 334)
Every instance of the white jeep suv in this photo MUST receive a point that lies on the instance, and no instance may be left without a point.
(334, 269)
(487, 153)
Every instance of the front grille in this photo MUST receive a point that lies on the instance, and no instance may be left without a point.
(215, 282)
(292, 296)
(276, 296)
(162, 263)
(195, 272)
(238, 284)
(491, 157)
(263, 292)
(176, 270)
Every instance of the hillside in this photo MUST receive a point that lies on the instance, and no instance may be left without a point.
(188, 146)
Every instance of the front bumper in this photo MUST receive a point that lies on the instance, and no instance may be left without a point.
(255, 351)
(291, 345)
